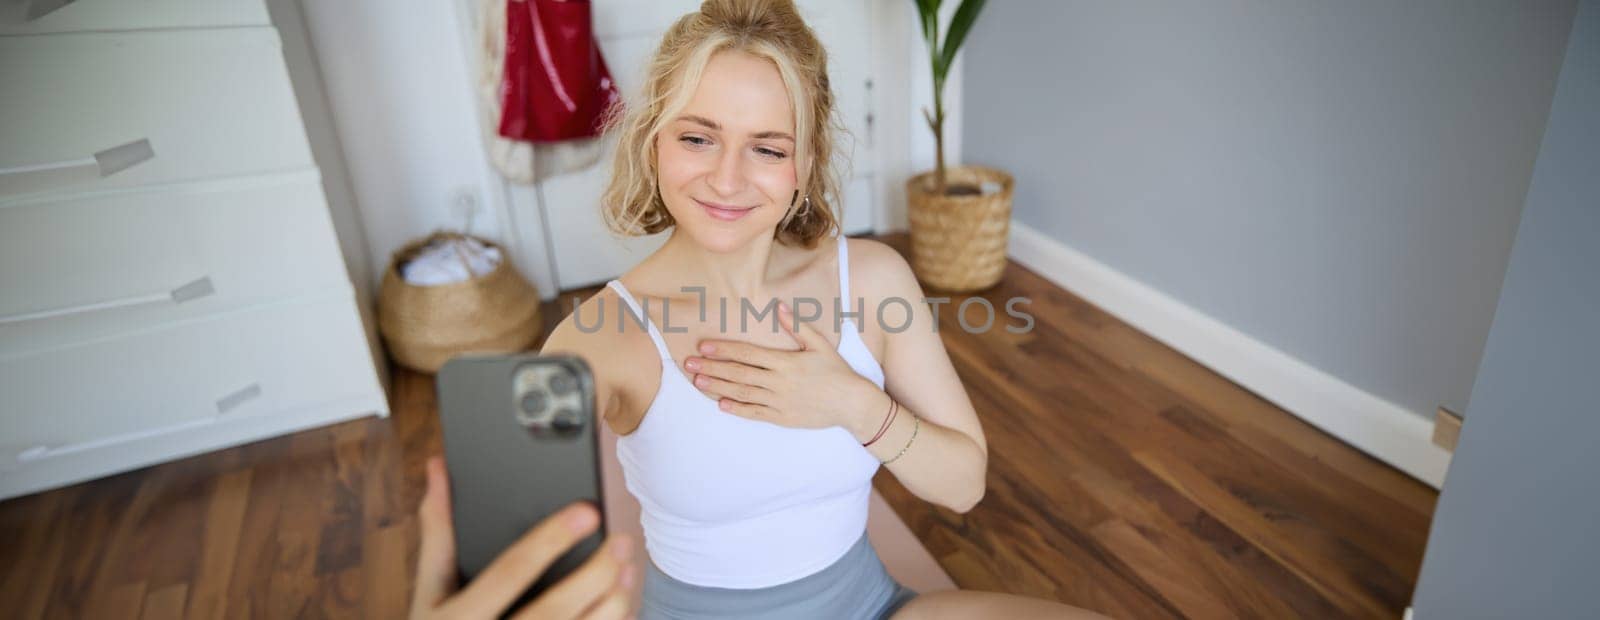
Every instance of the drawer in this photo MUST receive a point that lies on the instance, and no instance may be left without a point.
(89, 268)
(50, 16)
(253, 362)
(98, 111)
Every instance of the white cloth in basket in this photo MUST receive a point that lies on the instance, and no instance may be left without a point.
(445, 261)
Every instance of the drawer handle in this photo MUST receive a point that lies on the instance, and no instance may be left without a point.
(188, 292)
(105, 163)
(38, 452)
(41, 8)
(231, 401)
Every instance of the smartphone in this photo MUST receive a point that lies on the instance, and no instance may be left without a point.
(520, 443)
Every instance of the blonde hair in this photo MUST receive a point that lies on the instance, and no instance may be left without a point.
(770, 29)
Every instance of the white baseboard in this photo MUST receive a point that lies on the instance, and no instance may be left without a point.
(1372, 424)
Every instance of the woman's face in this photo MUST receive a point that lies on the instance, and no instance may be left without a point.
(726, 163)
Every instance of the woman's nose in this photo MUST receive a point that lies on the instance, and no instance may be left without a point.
(728, 177)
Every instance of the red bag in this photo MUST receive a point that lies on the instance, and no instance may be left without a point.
(555, 85)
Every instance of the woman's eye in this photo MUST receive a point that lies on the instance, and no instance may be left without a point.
(771, 153)
(694, 140)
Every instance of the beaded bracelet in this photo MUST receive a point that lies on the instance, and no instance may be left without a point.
(916, 424)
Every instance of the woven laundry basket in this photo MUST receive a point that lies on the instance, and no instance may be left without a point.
(958, 243)
(423, 326)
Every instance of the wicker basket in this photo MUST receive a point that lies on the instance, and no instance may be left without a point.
(958, 243)
(425, 325)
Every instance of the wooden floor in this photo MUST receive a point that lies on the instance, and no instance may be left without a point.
(1123, 478)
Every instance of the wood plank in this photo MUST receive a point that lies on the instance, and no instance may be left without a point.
(1177, 585)
(120, 602)
(386, 591)
(90, 521)
(120, 563)
(256, 558)
(170, 551)
(1251, 583)
(338, 595)
(382, 483)
(1340, 588)
(307, 499)
(27, 588)
(1254, 420)
(339, 544)
(218, 555)
(166, 603)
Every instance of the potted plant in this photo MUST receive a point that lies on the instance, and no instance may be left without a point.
(961, 215)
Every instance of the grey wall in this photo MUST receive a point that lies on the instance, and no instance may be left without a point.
(1516, 533)
(1340, 180)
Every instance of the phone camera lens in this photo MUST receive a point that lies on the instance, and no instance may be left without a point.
(566, 421)
(563, 384)
(534, 402)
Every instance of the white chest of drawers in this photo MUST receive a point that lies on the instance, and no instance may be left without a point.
(193, 298)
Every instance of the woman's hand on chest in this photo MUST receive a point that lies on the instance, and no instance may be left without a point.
(813, 387)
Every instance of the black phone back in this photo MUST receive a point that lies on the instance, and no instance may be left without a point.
(520, 443)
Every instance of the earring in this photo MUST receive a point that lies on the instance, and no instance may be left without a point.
(805, 206)
(792, 213)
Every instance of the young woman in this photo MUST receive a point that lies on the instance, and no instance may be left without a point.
(750, 435)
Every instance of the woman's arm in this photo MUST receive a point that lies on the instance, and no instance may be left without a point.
(597, 348)
(948, 459)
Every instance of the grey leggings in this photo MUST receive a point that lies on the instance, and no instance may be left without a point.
(855, 586)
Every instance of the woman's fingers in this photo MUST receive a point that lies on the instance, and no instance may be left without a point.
(520, 564)
(613, 607)
(745, 352)
(737, 372)
(804, 335)
(748, 410)
(586, 587)
(738, 391)
(597, 589)
(436, 559)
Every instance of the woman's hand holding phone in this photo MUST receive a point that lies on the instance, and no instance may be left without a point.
(598, 590)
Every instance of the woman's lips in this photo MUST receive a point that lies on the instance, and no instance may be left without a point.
(726, 214)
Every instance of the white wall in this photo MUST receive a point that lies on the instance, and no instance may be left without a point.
(401, 93)
(1338, 180)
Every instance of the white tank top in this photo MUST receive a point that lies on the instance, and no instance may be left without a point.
(731, 502)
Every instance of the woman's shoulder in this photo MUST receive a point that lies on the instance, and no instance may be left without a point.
(596, 330)
(594, 327)
(877, 269)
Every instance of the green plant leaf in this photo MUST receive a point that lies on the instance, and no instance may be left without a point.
(928, 12)
(960, 25)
